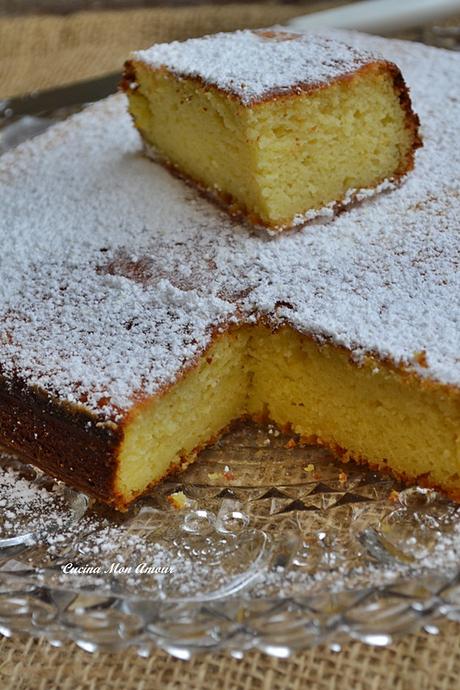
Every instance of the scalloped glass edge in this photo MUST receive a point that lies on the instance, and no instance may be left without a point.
(237, 616)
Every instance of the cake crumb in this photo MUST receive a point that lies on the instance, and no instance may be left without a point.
(178, 500)
(421, 359)
(393, 496)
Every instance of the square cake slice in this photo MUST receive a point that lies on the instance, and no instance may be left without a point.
(277, 127)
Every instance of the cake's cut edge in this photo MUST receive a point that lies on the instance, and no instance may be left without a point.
(241, 214)
(408, 391)
(241, 376)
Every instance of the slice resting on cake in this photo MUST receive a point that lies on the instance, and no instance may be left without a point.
(137, 320)
(277, 127)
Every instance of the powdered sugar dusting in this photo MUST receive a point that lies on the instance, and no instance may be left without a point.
(253, 64)
(113, 274)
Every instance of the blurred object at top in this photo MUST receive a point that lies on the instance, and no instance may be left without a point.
(379, 16)
(444, 36)
(68, 6)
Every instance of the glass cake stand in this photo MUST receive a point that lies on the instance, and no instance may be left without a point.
(260, 544)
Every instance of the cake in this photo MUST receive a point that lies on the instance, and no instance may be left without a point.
(138, 320)
(277, 127)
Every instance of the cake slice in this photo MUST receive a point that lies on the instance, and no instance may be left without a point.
(277, 127)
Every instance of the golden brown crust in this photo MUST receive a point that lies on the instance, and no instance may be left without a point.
(412, 119)
(66, 442)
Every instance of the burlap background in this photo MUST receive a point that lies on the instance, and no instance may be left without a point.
(418, 663)
(41, 52)
(38, 52)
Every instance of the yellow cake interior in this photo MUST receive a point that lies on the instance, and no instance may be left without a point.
(192, 412)
(280, 158)
(373, 412)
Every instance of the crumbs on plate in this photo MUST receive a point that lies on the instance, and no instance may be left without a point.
(178, 500)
